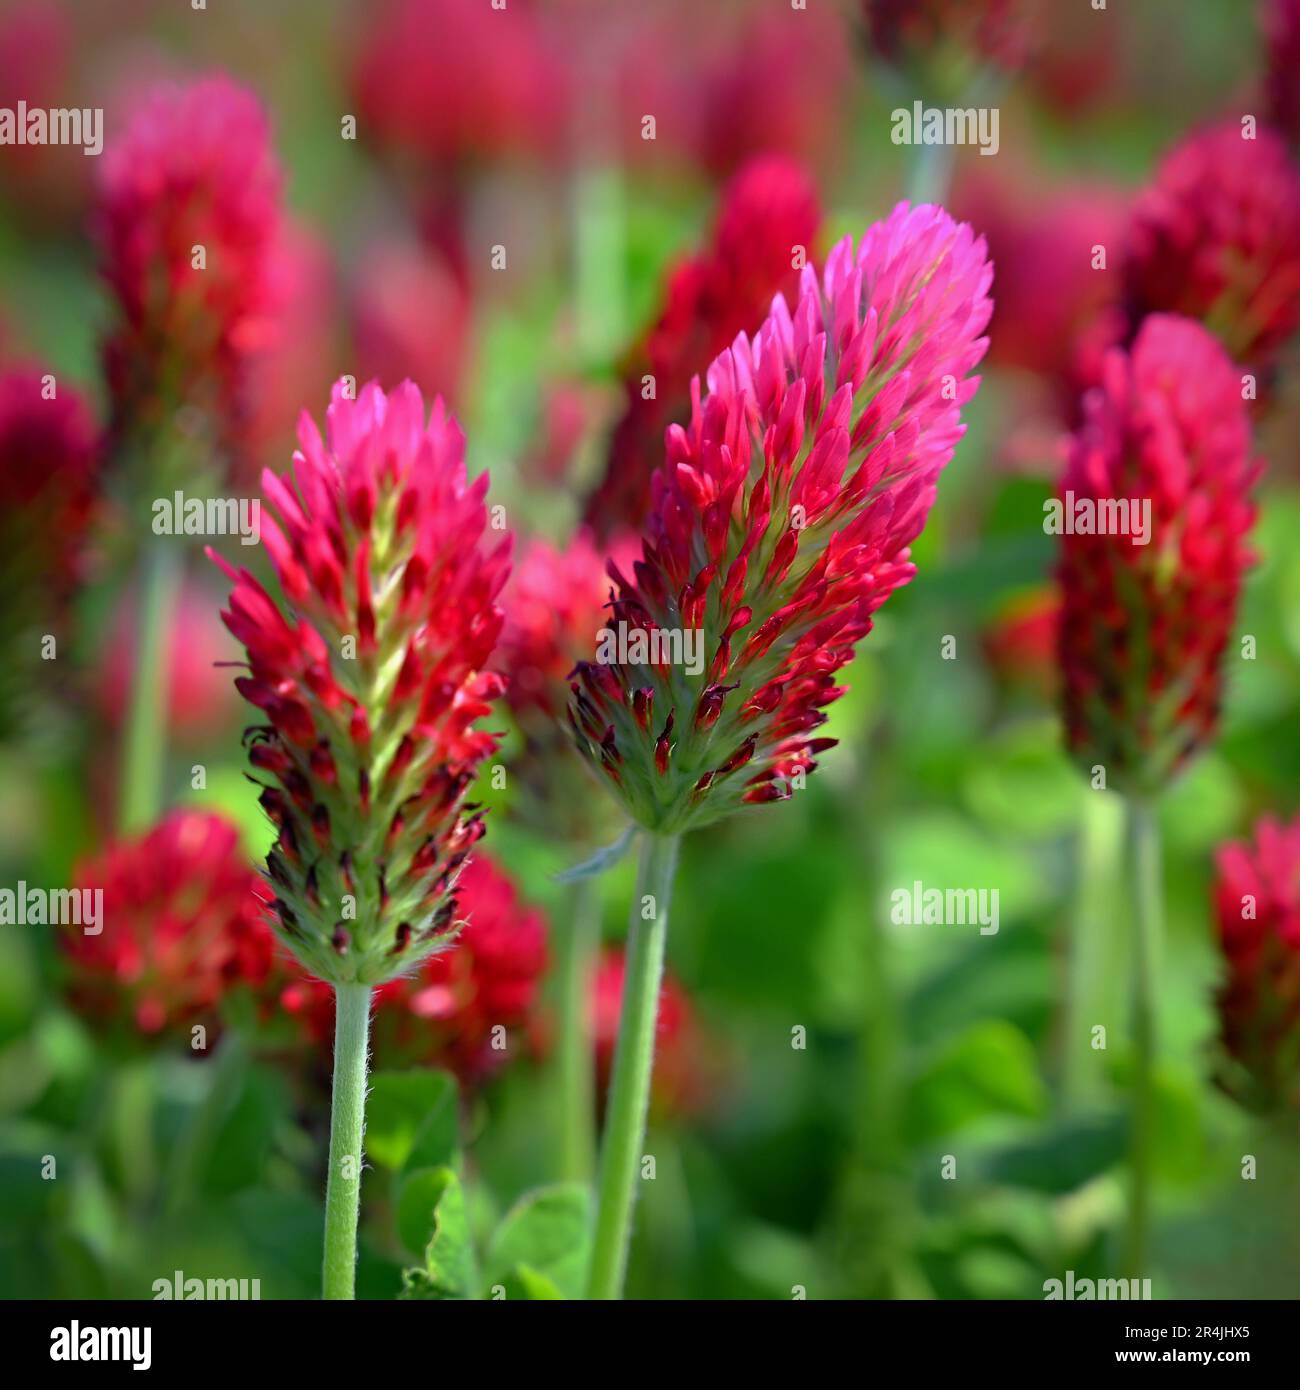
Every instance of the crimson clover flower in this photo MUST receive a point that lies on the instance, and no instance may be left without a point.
(767, 210)
(187, 217)
(1216, 237)
(371, 677)
(1144, 626)
(1257, 902)
(184, 922)
(780, 522)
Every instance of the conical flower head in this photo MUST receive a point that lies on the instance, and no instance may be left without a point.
(183, 922)
(371, 679)
(1156, 511)
(781, 521)
(1217, 237)
(1257, 903)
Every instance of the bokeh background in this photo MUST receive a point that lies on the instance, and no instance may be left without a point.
(777, 1165)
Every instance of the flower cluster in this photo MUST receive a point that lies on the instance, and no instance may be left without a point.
(184, 922)
(768, 212)
(1144, 626)
(1217, 237)
(373, 682)
(781, 521)
(1257, 900)
(446, 1013)
(187, 216)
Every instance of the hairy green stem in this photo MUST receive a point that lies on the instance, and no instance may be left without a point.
(629, 1094)
(1144, 848)
(141, 770)
(1099, 856)
(347, 1125)
(575, 1081)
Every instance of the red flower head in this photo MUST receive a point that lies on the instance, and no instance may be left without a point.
(49, 453)
(371, 679)
(1257, 898)
(556, 603)
(1281, 21)
(1217, 237)
(447, 1012)
(37, 45)
(781, 521)
(1144, 624)
(456, 84)
(768, 210)
(1056, 312)
(676, 1084)
(183, 922)
(193, 169)
(777, 81)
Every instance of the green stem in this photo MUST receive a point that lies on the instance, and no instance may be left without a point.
(575, 1080)
(146, 731)
(347, 1125)
(629, 1094)
(1099, 855)
(1144, 848)
(930, 173)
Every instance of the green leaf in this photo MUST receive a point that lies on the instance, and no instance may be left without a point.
(432, 1221)
(547, 1233)
(1064, 1158)
(411, 1119)
(990, 1070)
